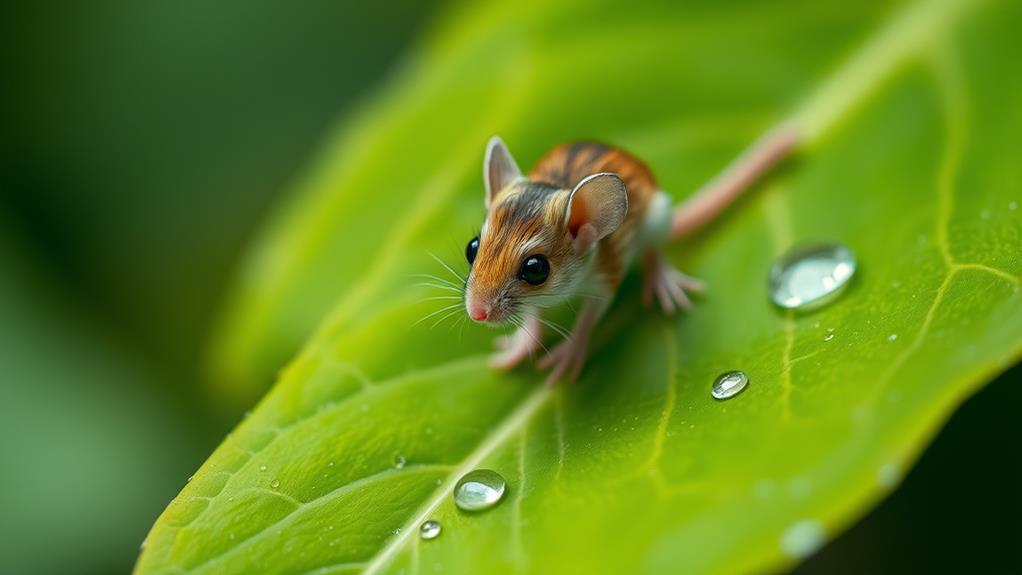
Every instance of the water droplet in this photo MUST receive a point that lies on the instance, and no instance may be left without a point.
(829, 335)
(808, 277)
(331, 464)
(729, 384)
(429, 530)
(802, 539)
(229, 499)
(396, 531)
(889, 475)
(892, 337)
(439, 481)
(262, 467)
(985, 214)
(275, 483)
(1012, 206)
(399, 461)
(479, 490)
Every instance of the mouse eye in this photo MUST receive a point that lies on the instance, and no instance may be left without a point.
(535, 270)
(472, 249)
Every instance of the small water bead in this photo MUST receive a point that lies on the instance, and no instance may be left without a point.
(889, 475)
(803, 538)
(429, 530)
(262, 467)
(399, 461)
(1012, 206)
(892, 337)
(479, 490)
(810, 276)
(275, 483)
(829, 335)
(729, 384)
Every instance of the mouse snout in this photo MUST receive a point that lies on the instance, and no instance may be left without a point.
(478, 311)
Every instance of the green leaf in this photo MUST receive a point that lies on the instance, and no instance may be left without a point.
(911, 132)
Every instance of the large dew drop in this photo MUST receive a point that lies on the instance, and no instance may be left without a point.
(479, 490)
(811, 276)
(729, 384)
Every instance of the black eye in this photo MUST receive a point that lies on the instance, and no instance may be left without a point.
(472, 249)
(535, 270)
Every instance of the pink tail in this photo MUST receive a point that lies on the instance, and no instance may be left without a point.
(716, 195)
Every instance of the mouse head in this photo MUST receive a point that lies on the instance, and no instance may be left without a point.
(537, 242)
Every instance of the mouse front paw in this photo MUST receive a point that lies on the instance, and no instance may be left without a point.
(667, 285)
(565, 361)
(515, 348)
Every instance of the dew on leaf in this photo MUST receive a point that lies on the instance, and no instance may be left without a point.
(810, 276)
(479, 490)
(802, 539)
(399, 461)
(429, 529)
(275, 483)
(729, 384)
(889, 475)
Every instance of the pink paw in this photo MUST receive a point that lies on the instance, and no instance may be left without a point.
(668, 285)
(565, 361)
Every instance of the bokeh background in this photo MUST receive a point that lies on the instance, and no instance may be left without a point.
(143, 144)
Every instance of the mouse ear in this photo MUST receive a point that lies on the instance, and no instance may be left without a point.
(596, 208)
(499, 168)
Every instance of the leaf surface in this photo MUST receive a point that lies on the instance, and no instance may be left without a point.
(910, 153)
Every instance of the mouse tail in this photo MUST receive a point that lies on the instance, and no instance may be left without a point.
(703, 206)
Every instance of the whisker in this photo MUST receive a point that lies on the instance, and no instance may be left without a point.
(534, 338)
(440, 286)
(443, 297)
(447, 267)
(432, 277)
(445, 317)
(557, 328)
(453, 306)
(461, 328)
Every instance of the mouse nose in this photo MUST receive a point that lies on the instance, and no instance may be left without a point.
(478, 311)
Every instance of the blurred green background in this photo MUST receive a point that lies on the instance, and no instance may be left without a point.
(143, 144)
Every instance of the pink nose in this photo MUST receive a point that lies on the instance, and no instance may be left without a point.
(478, 312)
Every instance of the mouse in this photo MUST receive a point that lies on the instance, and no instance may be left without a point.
(570, 230)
